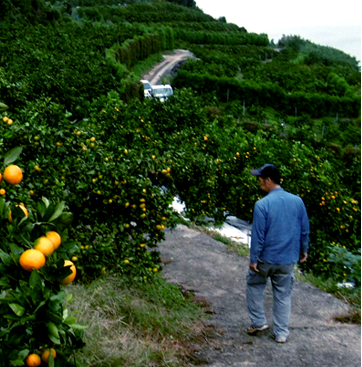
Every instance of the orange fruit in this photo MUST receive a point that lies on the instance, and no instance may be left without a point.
(13, 174)
(44, 245)
(55, 238)
(70, 277)
(32, 259)
(5, 118)
(33, 360)
(22, 207)
(45, 355)
(1, 177)
(2, 192)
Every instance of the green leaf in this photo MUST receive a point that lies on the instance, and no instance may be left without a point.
(45, 201)
(27, 318)
(17, 362)
(69, 246)
(4, 282)
(69, 297)
(11, 317)
(6, 258)
(24, 353)
(53, 339)
(70, 320)
(77, 326)
(16, 250)
(18, 309)
(49, 212)
(41, 206)
(29, 227)
(3, 106)
(51, 360)
(12, 155)
(65, 219)
(53, 329)
(58, 211)
(34, 279)
(2, 206)
(42, 303)
(62, 273)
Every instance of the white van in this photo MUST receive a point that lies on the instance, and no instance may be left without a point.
(162, 92)
(147, 88)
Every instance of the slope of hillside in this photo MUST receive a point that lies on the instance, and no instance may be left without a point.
(68, 75)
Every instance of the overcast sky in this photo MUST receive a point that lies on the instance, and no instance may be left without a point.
(329, 23)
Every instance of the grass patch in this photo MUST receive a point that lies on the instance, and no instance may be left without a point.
(135, 325)
(350, 296)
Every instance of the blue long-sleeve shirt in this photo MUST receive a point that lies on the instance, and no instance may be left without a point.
(280, 228)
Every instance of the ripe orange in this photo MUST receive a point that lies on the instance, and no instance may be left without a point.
(2, 192)
(13, 174)
(1, 178)
(5, 118)
(32, 259)
(22, 207)
(55, 238)
(45, 355)
(70, 277)
(44, 245)
(33, 360)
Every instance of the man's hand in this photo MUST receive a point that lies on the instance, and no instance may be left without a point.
(253, 267)
(303, 257)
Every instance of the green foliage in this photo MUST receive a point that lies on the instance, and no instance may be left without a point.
(268, 95)
(223, 38)
(345, 265)
(32, 303)
(317, 54)
(118, 162)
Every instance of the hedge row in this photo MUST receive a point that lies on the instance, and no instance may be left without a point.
(223, 38)
(143, 13)
(140, 47)
(205, 26)
(268, 94)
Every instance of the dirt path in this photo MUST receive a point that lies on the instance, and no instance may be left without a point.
(207, 268)
(167, 66)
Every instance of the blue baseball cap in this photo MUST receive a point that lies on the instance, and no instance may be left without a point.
(258, 172)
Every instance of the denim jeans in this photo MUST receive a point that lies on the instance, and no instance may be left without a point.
(282, 280)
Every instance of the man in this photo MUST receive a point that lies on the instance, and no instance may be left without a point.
(280, 237)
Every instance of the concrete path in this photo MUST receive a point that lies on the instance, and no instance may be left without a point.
(207, 268)
(166, 67)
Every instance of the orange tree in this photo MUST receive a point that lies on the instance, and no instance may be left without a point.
(119, 168)
(102, 168)
(33, 315)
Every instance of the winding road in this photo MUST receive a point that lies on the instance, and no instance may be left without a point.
(167, 66)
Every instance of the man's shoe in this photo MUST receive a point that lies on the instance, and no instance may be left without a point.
(279, 339)
(253, 329)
